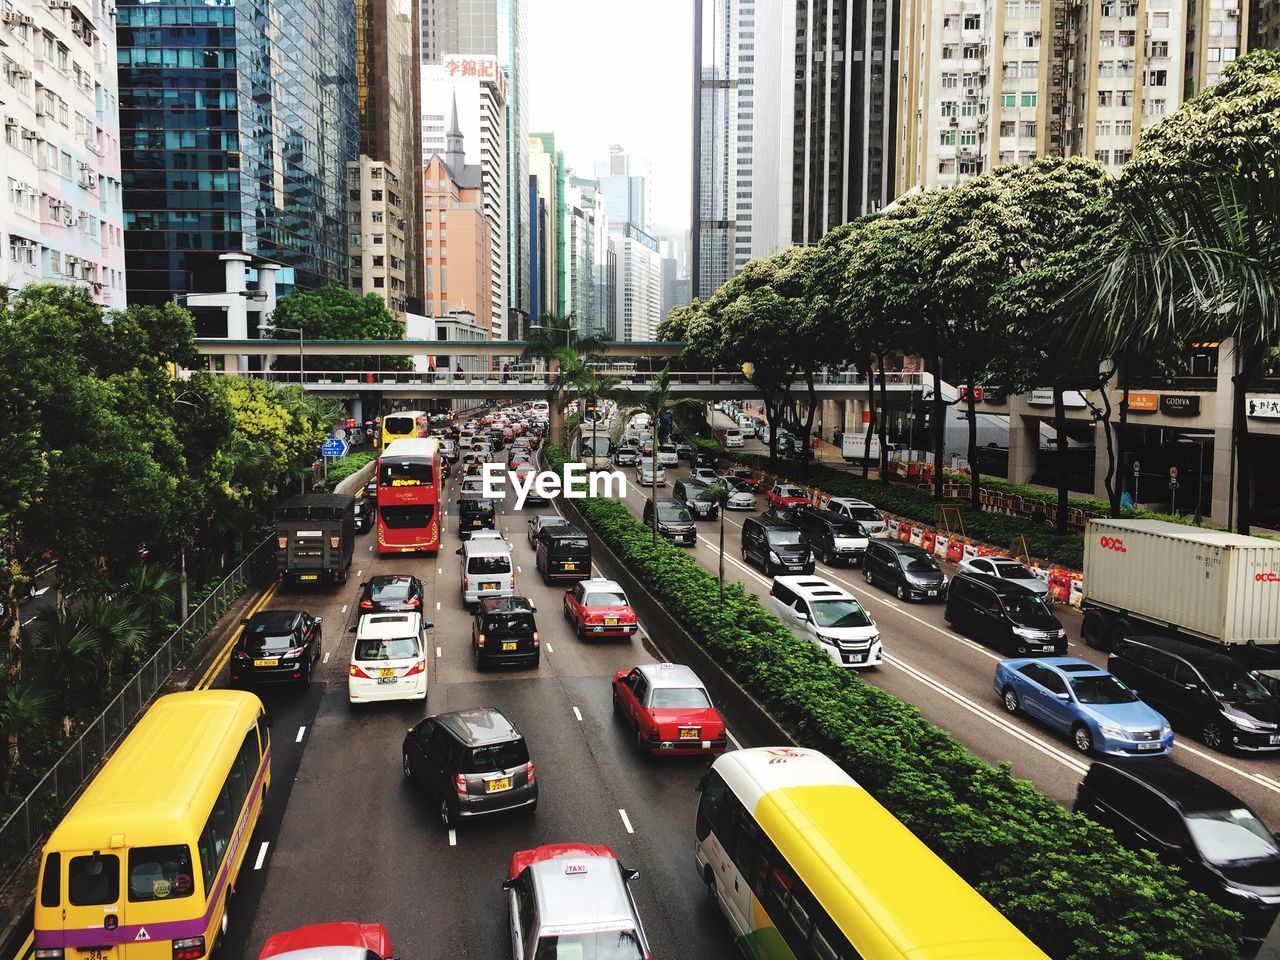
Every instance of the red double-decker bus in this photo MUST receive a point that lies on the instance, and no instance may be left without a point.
(409, 496)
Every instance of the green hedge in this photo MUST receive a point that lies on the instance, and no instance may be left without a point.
(344, 467)
(1060, 878)
(996, 529)
(712, 447)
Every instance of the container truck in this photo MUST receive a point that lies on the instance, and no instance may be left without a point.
(315, 537)
(1207, 586)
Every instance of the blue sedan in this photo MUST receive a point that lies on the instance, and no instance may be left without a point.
(1098, 712)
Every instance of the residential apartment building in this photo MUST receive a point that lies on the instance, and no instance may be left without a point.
(495, 28)
(1264, 25)
(459, 247)
(988, 83)
(61, 216)
(472, 92)
(384, 185)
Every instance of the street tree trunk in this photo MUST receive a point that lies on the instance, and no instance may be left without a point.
(1117, 489)
(722, 512)
(1249, 368)
(975, 471)
(871, 419)
(938, 427)
(653, 484)
(884, 418)
(1060, 426)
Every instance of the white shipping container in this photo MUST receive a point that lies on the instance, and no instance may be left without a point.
(1217, 585)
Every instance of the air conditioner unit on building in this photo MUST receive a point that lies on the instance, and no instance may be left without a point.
(12, 16)
(30, 135)
(1232, 12)
(953, 121)
(10, 121)
(59, 4)
(69, 220)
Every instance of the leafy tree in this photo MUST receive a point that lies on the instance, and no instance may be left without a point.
(558, 343)
(718, 493)
(592, 387)
(24, 712)
(335, 313)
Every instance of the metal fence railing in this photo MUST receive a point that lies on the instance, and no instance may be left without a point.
(42, 808)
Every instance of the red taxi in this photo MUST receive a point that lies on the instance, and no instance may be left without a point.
(599, 608)
(669, 709)
(343, 940)
(787, 495)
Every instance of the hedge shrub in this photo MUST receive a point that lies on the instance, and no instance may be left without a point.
(1062, 879)
(344, 467)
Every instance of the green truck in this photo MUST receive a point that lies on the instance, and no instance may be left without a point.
(315, 538)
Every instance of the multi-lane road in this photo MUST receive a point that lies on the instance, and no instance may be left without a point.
(346, 837)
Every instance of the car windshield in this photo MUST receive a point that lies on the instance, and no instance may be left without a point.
(605, 598)
(736, 485)
(676, 698)
(595, 446)
(790, 492)
(670, 514)
(1231, 836)
(865, 514)
(607, 945)
(1014, 571)
(489, 565)
(919, 564)
(1234, 686)
(1102, 689)
(848, 530)
(405, 473)
(498, 756)
(786, 538)
(839, 613)
(392, 591)
(396, 648)
(1025, 606)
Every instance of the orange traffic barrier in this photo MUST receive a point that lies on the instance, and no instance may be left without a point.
(955, 550)
(904, 532)
(927, 540)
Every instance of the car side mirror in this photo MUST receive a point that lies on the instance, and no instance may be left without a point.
(628, 874)
(244, 622)
(1063, 696)
(318, 621)
(458, 551)
(802, 617)
(351, 629)
(533, 608)
(509, 883)
(428, 625)
(1193, 687)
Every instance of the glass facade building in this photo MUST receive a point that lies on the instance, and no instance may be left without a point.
(237, 125)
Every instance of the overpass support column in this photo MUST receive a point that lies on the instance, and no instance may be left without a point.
(357, 412)
(831, 418)
(853, 416)
(555, 423)
(1024, 446)
(1222, 503)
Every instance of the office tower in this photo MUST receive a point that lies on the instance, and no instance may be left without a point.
(471, 91)
(585, 250)
(61, 218)
(625, 183)
(384, 185)
(546, 167)
(495, 28)
(237, 144)
(1264, 25)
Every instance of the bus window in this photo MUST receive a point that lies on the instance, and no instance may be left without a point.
(50, 882)
(264, 734)
(160, 873)
(94, 881)
(709, 805)
(405, 474)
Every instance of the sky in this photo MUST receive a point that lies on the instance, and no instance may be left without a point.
(617, 71)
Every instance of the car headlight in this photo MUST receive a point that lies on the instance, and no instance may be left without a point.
(774, 557)
(1114, 733)
(1247, 723)
(1024, 633)
(1165, 731)
(825, 639)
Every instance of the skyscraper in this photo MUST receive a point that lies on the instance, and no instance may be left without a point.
(546, 166)
(237, 143)
(626, 192)
(495, 28)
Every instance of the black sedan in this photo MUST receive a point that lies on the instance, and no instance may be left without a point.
(276, 646)
(390, 593)
(365, 513)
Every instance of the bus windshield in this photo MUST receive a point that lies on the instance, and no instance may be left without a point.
(595, 446)
(405, 473)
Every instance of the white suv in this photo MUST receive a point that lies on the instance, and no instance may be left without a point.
(733, 438)
(389, 660)
(872, 520)
(830, 616)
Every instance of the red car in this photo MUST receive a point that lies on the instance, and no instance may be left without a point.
(746, 476)
(599, 608)
(343, 940)
(787, 495)
(670, 710)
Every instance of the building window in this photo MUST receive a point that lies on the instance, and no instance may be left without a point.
(1122, 157)
(1104, 98)
(1103, 128)
(969, 109)
(1160, 48)
(1031, 69)
(1008, 128)
(973, 21)
(950, 108)
(377, 216)
(377, 239)
(1124, 128)
(1157, 78)
(1008, 100)
(1128, 38)
(1106, 68)
(1030, 99)
(1031, 39)
(1159, 21)
(950, 81)
(949, 51)
(379, 282)
(947, 138)
(972, 51)
(1106, 38)
(1029, 129)
(375, 194)
(968, 138)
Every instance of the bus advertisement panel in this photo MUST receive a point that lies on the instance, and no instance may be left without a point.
(408, 475)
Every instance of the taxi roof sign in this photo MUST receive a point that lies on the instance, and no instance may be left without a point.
(574, 869)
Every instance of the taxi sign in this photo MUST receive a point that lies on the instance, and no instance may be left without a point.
(574, 869)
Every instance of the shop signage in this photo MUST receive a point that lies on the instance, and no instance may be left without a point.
(1044, 398)
(1179, 405)
(1144, 402)
(994, 395)
(1264, 407)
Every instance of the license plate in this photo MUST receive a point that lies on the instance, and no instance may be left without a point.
(1275, 739)
(93, 954)
(266, 663)
(488, 586)
(571, 566)
(475, 523)
(610, 621)
(1148, 746)
(493, 786)
(933, 593)
(854, 657)
(1045, 649)
(309, 576)
(387, 679)
(388, 672)
(509, 645)
(690, 733)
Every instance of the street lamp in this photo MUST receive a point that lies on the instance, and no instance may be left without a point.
(1199, 442)
(273, 328)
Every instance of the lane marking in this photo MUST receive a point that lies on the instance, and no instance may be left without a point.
(626, 821)
(439, 653)
(732, 739)
(577, 714)
(437, 604)
(439, 570)
(1258, 778)
(326, 656)
(359, 574)
(371, 548)
(302, 730)
(519, 569)
(262, 854)
(453, 838)
(550, 649)
(344, 608)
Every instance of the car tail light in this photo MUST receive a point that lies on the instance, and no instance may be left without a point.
(366, 604)
(532, 772)
(192, 948)
(240, 655)
(414, 601)
(48, 953)
(465, 583)
(417, 668)
(460, 784)
(334, 541)
(282, 542)
(295, 652)
(536, 639)
(479, 639)
(355, 671)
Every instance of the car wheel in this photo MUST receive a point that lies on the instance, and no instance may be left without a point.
(866, 574)
(1082, 739)
(1093, 630)
(406, 766)
(1213, 735)
(901, 593)
(475, 652)
(446, 818)
(1010, 700)
(744, 553)
(826, 558)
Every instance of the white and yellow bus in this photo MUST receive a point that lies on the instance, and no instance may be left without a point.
(142, 865)
(807, 866)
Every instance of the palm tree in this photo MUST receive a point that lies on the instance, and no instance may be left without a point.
(718, 493)
(151, 589)
(558, 342)
(595, 388)
(119, 632)
(1196, 257)
(66, 650)
(24, 712)
(658, 403)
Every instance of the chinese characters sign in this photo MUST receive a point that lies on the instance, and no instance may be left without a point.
(465, 67)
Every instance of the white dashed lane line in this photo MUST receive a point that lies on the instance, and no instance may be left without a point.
(326, 656)
(577, 714)
(262, 855)
(344, 608)
(302, 732)
(453, 838)
(626, 821)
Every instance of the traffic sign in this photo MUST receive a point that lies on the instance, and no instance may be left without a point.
(1137, 468)
(334, 448)
(1173, 473)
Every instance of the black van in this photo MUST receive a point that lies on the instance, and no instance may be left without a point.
(690, 493)
(475, 513)
(1003, 614)
(832, 536)
(776, 546)
(562, 553)
(504, 633)
(909, 571)
(675, 522)
(1201, 690)
(1207, 833)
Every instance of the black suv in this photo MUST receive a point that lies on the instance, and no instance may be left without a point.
(833, 536)
(909, 571)
(366, 513)
(675, 522)
(470, 762)
(276, 646)
(692, 493)
(503, 632)
(1201, 690)
(776, 546)
(562, 553)
(391, 592)
(475, 513)
(1216, 841)
(1003, 614)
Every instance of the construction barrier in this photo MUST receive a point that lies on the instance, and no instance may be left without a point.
(917, 535)
(1077, 592)
(1060, 584)
(955, 550)
(927, 540)
(940, 544)
(970, 551)
(904, 532)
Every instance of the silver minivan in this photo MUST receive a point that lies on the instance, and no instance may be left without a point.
(488, 569)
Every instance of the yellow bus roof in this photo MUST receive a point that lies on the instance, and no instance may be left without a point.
(890, 894)
(157, 783)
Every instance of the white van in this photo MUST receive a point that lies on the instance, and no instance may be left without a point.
(389, 660)
(733, 438)
(487, 569)
(829, 616)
